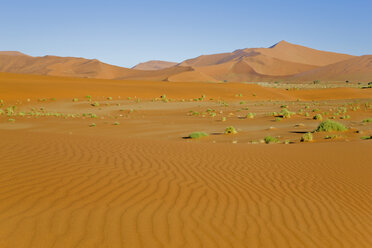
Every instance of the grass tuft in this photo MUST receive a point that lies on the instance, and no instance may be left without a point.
(270, 140)
(329, 126)
(307, 137)
(230, 130)
(197, 135)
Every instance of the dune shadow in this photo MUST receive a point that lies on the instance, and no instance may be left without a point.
(301, 132)
(217, 133)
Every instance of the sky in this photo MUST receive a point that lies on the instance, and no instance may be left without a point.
(125, 33)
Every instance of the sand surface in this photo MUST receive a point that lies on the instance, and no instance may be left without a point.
(133, 180)
(79, 191)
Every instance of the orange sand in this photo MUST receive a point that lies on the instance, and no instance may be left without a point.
(139, 184)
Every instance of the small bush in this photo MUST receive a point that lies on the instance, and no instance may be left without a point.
(197, 135)
(251, 115)
(92, 125)
(328, 126)
(285, 113)
(367, 120)
(366, 137)
(75, 99)
(318, 117)
(270, 140)
(230, 130)
(307, 137)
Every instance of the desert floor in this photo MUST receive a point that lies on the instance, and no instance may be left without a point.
(105, 163)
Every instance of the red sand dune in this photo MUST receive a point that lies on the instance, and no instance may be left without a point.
(358, 68)
(283, 61)
(154, 65)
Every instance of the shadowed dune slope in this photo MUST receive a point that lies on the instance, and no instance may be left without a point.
(358, 68)
(80, 191)
(154, 65)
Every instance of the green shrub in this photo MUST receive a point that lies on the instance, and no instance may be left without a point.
(366, 137)
(92, 125)
(95, 104)
(328, 126)
(367, 120)
(230, 130)
(270, 140)
(318, 117)
(197, 135)
(345, 117)
(285, 113)
(307, 137)
(251, 115)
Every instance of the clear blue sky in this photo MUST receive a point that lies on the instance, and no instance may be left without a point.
(127, 32)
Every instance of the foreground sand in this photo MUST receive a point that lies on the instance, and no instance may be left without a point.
(139, 184)
(79, 191)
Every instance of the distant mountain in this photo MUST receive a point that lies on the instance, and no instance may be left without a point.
(154, 65)
(282, 61)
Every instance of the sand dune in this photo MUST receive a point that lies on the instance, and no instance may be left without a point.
(355, 69)
(279, 62)
(303, 55)
(154, 65)
(78, 67)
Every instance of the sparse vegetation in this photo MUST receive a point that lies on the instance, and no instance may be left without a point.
(270, 140)
(230, 130)
(251, 115)
(197, 135)
(285, 113)
(329, 126)
(366, 137)
(307, 137)
(318, 117)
